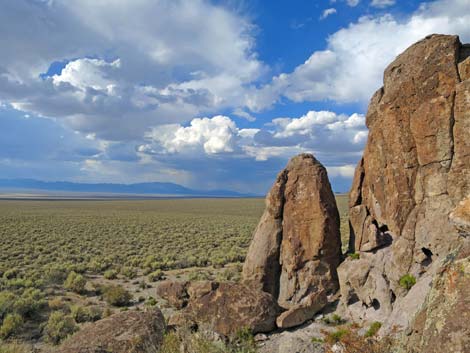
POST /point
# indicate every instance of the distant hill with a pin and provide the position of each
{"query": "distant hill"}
(152, 188)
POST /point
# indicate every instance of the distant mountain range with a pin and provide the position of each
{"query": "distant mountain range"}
(152, 188)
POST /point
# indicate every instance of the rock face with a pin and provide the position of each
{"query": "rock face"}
(174, 292)
(296, 247)
(442, 325)
(460, 217)
(414, 171)
(225, 308)
(126, 332)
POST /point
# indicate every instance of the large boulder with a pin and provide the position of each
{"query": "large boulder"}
(296, 247)
(414, 171)
(125, 332)
(226, 308)
(174, 292)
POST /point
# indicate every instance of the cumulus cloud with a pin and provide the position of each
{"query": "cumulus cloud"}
(321, 132)
(125, 97)
(350, 69)
(382, 3)
(214, 135)
(184, 59)
(88, 73)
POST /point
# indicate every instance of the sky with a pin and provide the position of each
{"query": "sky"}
(206, 94)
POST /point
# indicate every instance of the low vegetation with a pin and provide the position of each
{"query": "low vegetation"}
(56, 256)
(59, 327)
(333, 320)
(354, 256)
(11, 325)
(373, 329)
(349, 340)
(407, 281)
(116, 296)
(14, 347)
(197, 342)
(75, 282)
(86, 314)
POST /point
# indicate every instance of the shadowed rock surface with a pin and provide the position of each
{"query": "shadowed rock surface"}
(126, 332)
(414, 171)
(296, 247)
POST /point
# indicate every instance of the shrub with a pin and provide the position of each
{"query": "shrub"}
(335, 319)
(129, 272)
(143, 285)
(317, 340)
(373, 329)
(354, 256)
(86, 314)
(407, 281)
(200, 276)
(75, 282)
(243, 342)
(7, 300)
(14, 348)
(155, 276)
(171, 343)
(196, 342)
(151, 301)
(352, 342)
(335, 337)
(10, 274)
(228, 275)
(59, 326)
(110, 274)
(18, 283)
(57, 304)
(55, 275)
(107, 312)
(11, 325)
(117, 296)
(30, 303)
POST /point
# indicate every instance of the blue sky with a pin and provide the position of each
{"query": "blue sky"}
(208, 94)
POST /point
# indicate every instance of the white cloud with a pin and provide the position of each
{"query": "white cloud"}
(176, 60)
(321, 132)
(263, 153)
(328, 12)
(382, 3)
(243, 114)
(305, 124)
(353, 3)
(345, 171)
(350, 69)
(88, 73)
(214, 135)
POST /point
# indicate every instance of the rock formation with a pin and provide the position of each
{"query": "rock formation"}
(174, 292)
(125, 332)
(414, 171)
(442, 324)
(225, 308)
(409, 221)
(296, 247)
